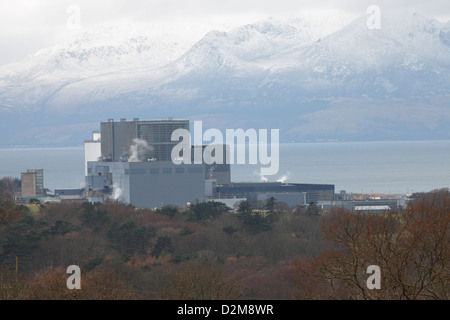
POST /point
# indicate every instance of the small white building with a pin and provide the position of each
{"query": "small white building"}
(92, 150)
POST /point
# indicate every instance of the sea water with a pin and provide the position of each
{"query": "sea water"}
(370, 167)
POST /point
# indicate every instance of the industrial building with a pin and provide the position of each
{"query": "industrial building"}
(33, 183)
(92, 149)
(121, 139)
(365, 206)
(32, 186)
(70, 195)
(151, 184)
(130, 161)
(220, 172)
(292, 194)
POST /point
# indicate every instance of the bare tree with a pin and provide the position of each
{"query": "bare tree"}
(199, 281)
(411, 250)
(50, 284)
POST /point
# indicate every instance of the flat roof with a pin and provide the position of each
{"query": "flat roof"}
(368, 208)
(274, 187)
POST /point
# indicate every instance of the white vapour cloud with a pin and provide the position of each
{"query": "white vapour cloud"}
(284, 178)
(117, 192)
(138, 150)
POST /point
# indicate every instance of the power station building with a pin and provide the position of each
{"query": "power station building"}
(150, 139)
(292, 194)
(151, 184)
(92, 149)
(131, 161)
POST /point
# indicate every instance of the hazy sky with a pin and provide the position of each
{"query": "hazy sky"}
(27, 26)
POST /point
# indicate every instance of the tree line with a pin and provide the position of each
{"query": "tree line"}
(208, 251)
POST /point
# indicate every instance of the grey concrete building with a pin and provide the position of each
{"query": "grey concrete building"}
(151, 184)
(221, 172)
(367, 206)
(148, 139)
(28, 184)
(33, 183)
(70, 195)
(292, 193)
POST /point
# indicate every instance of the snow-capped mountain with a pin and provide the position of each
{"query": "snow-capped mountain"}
(103, 50)
(292, 74)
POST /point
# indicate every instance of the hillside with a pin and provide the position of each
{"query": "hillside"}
(141, 246)
(205, 252)
(351, 83)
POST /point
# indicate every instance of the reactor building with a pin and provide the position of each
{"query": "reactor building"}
(130, 161)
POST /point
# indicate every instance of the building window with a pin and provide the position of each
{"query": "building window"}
(154, 171)
(179, 170)
(167, 170)
(195, 170)
(138, 171)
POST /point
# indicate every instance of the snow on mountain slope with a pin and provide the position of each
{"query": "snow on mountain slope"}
(94, 53)
(250, 44)
(96, 66)
(109, 61)
(405, 57)
(294, 65)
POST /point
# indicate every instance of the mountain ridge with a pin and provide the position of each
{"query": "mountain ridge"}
(293, 67)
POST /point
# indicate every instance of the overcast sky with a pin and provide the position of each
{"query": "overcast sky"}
(27, 26)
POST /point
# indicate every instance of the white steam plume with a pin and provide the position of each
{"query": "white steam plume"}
(117, 192)
(284, 178)
(138, 150)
